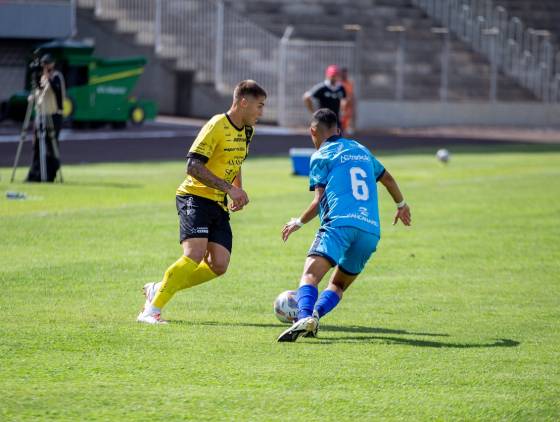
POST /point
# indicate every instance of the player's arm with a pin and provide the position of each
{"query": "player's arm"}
(238, 183)
(313, 209)
(403, 210)
(309, 95)
(197, 169)
(309, 214)
(308, 102)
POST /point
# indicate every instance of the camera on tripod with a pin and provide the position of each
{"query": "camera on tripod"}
(43, 107)
(37, 66)
(35, 70)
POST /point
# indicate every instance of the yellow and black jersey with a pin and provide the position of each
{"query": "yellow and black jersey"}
(222, 147)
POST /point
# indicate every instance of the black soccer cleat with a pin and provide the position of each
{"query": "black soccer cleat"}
(302, 327)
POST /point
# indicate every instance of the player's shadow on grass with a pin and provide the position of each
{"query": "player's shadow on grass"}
(504, 342)
(324, 328)
(375, 330)
(352, 329)
(369, 339)
(402, 341)
(104, 185)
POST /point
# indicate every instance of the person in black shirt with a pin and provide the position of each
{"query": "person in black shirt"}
(49, 98)
(327, 94)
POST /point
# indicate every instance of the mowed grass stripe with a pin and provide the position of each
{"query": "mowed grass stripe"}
(456, 318)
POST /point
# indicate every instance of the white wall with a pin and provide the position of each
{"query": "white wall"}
(377, 114)
(35, 20)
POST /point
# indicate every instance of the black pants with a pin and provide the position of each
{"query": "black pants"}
(52, 161)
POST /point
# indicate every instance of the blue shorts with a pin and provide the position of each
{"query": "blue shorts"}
(348, 247)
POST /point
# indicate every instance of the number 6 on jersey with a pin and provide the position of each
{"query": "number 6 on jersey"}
(360, 188)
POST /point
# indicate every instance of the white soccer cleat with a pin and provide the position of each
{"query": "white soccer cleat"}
(314, 333)
(301, 327)
(150, 318)
(149, 290)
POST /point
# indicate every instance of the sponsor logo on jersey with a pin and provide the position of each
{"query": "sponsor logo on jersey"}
(353, 157)
(337, 95)
(362, 218)
(236, 161)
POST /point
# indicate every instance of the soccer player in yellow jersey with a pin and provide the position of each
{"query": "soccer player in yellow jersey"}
(213, 173)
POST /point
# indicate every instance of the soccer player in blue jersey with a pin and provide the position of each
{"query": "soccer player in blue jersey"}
(343, 175)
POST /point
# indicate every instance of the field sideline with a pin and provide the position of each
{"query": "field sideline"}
(456, 318)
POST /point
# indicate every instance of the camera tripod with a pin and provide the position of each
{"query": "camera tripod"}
(44, 126)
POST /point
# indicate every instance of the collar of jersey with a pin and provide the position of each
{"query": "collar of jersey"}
(332, 87)
(333, 138)
(233, 124)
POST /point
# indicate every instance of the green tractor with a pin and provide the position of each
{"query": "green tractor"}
(97, 90)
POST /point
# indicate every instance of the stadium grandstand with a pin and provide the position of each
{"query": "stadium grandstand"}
(455, 54)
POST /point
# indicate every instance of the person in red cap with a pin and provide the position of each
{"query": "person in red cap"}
(332, 71)
(326, 94)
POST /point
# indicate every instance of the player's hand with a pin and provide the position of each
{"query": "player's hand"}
(403, 214)
(290, 227)
(234, 208)
(238, 197)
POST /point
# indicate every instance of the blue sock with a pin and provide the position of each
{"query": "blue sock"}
(327, 302)
(306, 298)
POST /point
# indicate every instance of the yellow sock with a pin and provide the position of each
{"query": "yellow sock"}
(202, 274)
(175, 277)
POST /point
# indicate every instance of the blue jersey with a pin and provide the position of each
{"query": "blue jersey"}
(348, 172)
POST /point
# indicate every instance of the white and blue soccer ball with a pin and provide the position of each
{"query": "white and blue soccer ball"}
(285, 306)
(443, 155)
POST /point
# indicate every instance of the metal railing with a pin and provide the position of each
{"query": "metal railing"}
(223, 48)
(301, 66)
(525, 54)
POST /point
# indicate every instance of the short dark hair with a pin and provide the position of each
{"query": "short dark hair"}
(47, 59)
(324, 117)
(248, 87)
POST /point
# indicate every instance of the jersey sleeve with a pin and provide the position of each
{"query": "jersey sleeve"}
(205, 143)
(318, 171)
(315, 91)
(378, 169)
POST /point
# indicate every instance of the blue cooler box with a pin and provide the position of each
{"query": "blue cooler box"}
(301, 158)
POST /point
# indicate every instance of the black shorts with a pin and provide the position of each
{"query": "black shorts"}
(202, 217)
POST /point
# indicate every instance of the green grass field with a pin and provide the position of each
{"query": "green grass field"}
(456, 318)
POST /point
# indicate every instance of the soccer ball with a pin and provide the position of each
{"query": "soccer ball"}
(285, 306)
(442, 155)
